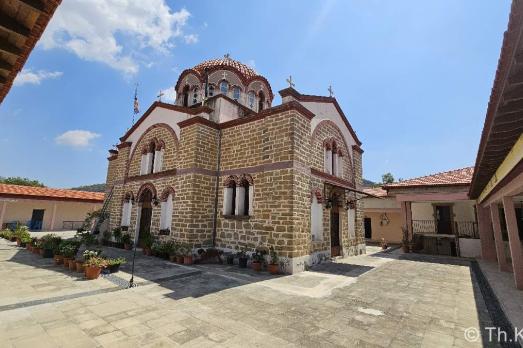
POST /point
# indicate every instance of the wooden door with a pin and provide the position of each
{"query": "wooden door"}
(145, 223)
(335, 234)
(368, 228)
(444, 219)
(37, 219)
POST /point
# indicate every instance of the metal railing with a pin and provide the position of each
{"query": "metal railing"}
(72, 225)
(464, 229)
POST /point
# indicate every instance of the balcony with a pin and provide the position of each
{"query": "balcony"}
(463, 229)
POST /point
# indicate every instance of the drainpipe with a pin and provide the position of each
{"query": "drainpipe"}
(217, 186)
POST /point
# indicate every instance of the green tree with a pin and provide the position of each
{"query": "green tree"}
(17, 180)
(387, 178)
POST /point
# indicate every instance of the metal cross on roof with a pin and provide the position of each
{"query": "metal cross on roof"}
(331, 91)
(289, 81)
(224, 75)
(227, 56)
(159, 96)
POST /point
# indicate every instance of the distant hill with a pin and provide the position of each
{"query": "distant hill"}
(368, 183)
(91, 188)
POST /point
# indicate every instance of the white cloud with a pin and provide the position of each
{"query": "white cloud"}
(191, 38)
(114, 32)
(169, 95)
(28, 76)
(76, 138)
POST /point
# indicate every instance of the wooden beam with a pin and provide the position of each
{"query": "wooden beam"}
(3, 79)
(516, 77)
(515, 92)
(511, 106)
(5, 65)
(33, 4)
(7, 47)
(12, 25)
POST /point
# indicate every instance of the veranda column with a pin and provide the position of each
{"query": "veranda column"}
(500, 246)
(2, 213)
(406, 213)
(486, 235)
(513, 240)
(53, 217)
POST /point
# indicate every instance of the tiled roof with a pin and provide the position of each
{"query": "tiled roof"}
(49, 193)
(461, 176)
(247, 71)
(375, 191)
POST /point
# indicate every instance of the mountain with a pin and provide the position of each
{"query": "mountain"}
(368, 183)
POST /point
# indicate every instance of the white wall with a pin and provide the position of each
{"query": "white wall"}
(376, 203)
(462, 210)
(470, 247)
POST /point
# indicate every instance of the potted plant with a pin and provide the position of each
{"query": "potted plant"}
(117, 233)
(258, 258)
(25, 241)
(187, 255)
(113, 265)
(127, 241)
(242, 258)
(48, 243)
(148, 241)
(230, 259)
(173, 253)
(93, 267)
(68, 249)
(106, 237)
(36, 247)
(273, 266)
(383, 243)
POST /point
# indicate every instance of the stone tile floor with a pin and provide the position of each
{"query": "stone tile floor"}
(377, 300)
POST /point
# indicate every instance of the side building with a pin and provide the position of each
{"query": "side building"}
(224, 168)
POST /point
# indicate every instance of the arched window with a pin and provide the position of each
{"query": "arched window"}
(126, 209)
(261, 101)
(166, 210)
(210, 91)
(224, 87)
(236, 92)
(251, 99)
(185, 96)
(158, 157)
(316, 215)
(229, 195)
(327, 153)
(152, 157)
(195, 95)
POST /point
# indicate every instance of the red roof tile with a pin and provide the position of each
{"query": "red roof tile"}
(50, 193)
(246, 70)
(461, 176)
(375, 191)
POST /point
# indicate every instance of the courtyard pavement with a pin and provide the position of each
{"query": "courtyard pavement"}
(377, 300)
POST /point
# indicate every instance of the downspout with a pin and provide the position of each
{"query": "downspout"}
(217, 186)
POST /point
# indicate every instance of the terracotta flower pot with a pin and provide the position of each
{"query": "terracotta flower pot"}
(172, 258)
(66, 262)
(256, 265)
(72, 265)
(79, 266)
(18, 241)
(41, 251)
(187, 260)
(273, 268)
(92, 272)
(58, 259)
(36, 250)
(179, 259)
(147, 251)
(29, 247)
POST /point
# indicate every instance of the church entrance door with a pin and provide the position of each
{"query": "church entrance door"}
(146, 213)
(335, 232)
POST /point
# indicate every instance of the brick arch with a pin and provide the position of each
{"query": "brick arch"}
(319, 195)
(245, 180)
(231, 179)
(145, 147)
(128, 196)
(147, 186)
(331, 123)
(166, 192)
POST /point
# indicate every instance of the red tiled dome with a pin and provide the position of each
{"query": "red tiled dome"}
(215, 64)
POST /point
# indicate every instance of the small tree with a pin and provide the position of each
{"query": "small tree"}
(17, 180)
(387, 178)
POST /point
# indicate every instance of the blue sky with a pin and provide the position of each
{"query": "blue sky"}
(413, 77)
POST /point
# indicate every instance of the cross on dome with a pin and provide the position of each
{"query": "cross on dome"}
(289, 81)
(227, 56)
(331, 91)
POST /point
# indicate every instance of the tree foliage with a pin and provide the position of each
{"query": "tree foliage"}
(91, 188)
(387, 178)
(17, 180)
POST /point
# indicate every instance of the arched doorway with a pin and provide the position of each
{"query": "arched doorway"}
(145, 200)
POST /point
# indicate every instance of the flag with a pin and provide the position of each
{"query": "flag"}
(136, 106)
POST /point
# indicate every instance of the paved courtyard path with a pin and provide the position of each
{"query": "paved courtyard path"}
(378, 300)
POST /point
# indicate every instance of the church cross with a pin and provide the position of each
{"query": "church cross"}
(227, 56)
(331, 91)
(159, 96)
(224, 75)
(289, 81)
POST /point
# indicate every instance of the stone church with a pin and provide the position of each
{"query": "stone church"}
(224, 167)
